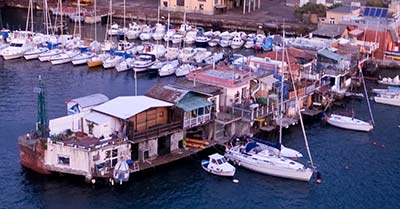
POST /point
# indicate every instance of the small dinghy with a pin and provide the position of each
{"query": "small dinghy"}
(218, 165)
(121, 171)
(348, 123)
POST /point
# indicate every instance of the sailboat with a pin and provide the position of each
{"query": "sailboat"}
(352, 123)
(259, 159)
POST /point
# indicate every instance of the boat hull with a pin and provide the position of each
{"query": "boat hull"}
(31, 154)
(94, 63)
(218, 173)
(268, 169)
(388, 101)
(351, 126)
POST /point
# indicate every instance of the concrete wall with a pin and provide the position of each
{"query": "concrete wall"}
(78, 158)
(150, 146)
(228, 95)
(190, 6)
(59, 125)
(105, 129)
(82, 161)
(175, 138)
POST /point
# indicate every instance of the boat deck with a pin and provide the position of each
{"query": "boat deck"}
(171, 157)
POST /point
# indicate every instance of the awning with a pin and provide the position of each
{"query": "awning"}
(97, 118)
(356, 32)
(191, 102)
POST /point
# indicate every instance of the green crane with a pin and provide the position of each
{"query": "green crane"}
(42, 128)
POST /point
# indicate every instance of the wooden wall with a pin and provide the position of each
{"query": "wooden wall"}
(149, 118)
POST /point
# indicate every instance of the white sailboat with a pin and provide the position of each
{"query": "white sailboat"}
(35, 52)
(64, 57)
(346, 122)
(146, 34)
(186, 54)
(190, 37)
(134, 31)
(143, 62)
(202, 55)
(125, 65)
(266, 161)
(172, 53)
(388, 98)
(83, 58)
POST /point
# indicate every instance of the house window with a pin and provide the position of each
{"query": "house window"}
(201, 6)
(111, 157)
(332, 21)
(180, 3)
(114, 152)
(200, 111)
(165, 3)
(63, 160)
(202, 0)
(90, 127)
(207, 110)
(161, 114)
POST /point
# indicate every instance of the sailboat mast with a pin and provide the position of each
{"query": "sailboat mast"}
(158, 12)
(298, 109)
(95, 20)
(28, 16)
(282, 84)
(79, 18)
(62, 17)
(124, 20)
(31, 5)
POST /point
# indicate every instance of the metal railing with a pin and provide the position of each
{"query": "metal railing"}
(192, 122)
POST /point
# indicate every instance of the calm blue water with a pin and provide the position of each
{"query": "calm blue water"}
(356, 173)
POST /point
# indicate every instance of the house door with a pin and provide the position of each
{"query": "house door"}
(135, 152)
(164, 145)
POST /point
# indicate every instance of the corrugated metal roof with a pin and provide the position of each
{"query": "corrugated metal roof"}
(191, 102)
(128, 106)
(97, 117)
(90, 100)
(166, 93)
(328, 54)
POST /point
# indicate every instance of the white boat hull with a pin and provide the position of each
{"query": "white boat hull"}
(388, 101)
(269, 169)
(12, 56)
(349, 123)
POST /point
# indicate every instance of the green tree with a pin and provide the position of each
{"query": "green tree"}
(377, 3)
(311, 8)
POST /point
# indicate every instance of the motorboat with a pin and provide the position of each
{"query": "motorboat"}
(190, 37)
(107, 45)
(177, 38)
(146, 33)
(121, 171)
(134, 31)
(238, 59)
(172, 53)
(46, 56)
(389, 81)
(125, 65)
(186, 54)
(169, 68)
(237, 42)
(346, 122)
(17, 48)
(143, 62)
(226, 39)
(158, 50)
(184, 69)
(124, 46)
(115, 30)
(250, 41)
(168, 35)
(265, 161)
(218, 165)
(159, 32)
(184, 28)
(215, 58)
(202, 41)
(35, 52)
(214, 38)
(97, 60)
(64, 57)
(201, 56)
(83, 58)
(388, 98)
(259, 41)
(112, 61)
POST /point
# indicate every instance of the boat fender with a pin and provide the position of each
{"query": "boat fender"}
(319, 178)
(235, 181)
(93, 181)
(374, 143)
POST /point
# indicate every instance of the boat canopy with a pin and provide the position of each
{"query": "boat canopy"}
(250, 146)
(276, 145)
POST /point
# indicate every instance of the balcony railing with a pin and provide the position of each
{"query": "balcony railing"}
(192, 122)
(156, 131)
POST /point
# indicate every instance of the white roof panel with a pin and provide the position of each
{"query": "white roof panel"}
(90, 100)
(128, 106)
(97, 118)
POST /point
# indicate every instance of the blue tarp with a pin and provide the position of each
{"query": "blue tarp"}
(51, 45)
(250, 146)
(267, 44)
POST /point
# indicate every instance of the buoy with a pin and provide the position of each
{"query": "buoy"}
(374, 143)
(346, 167)
(235, 181)
(383, 146)
(112, 182)
(93, 181)
(319, 178)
